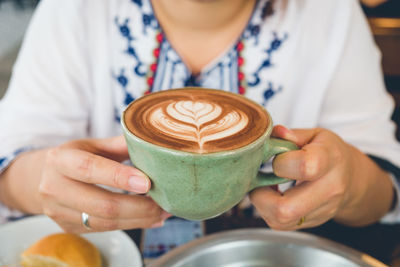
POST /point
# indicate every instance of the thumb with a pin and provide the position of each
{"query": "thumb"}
(300, 137)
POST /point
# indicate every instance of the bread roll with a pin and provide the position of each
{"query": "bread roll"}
(61, 250)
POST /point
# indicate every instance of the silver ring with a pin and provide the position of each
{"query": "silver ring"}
(85, 220)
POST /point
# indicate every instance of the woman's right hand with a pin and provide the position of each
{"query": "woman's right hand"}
(70, 180)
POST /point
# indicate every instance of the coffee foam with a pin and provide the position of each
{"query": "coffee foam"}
(196, 120)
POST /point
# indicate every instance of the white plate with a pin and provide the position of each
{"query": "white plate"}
(116, 247)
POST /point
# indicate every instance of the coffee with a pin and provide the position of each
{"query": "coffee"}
(196, 120)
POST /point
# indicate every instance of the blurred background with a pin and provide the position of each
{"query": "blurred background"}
(14, 18)
(384, 19)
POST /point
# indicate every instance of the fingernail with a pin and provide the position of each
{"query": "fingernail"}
(139, 184)
(157, 224)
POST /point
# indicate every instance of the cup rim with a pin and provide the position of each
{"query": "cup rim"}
(265, 135)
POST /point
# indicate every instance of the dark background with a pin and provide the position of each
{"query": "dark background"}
(385, 25)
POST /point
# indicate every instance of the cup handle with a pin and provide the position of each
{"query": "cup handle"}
(275, 146)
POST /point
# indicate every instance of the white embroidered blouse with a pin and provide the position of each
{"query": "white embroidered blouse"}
(311, 63)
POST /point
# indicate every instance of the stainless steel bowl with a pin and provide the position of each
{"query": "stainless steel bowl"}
(264, 248)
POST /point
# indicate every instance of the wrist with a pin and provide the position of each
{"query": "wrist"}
(19, 182)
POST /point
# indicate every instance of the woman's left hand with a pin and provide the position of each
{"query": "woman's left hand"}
(333, 180)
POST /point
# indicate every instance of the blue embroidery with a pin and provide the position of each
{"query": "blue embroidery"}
(2, 160)
(130, 50)
(267, 9)
(124, 29)
(123, 81)
(276, 43)
(270, 92)
(138, 2)
(128, 97)
(121, 78)
(148, 19)
(117, 115)
(252, 31)
(274, 46)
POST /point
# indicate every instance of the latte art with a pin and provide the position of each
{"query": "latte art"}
(196, 120)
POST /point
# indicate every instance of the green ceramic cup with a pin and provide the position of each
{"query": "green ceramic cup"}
(201, 186)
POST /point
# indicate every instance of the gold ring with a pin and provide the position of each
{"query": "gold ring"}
(301, 221)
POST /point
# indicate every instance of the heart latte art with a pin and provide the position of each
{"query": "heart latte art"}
(196, 120)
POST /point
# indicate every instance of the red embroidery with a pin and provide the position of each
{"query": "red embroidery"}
(156, 52)
(150, 81)
(242, 90)
(240, 46)
(240, 61)
(240, 75)
(153, 67)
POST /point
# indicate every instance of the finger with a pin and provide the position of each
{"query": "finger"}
(317, 217)
(113, 148)
(308, 164)
(302, 164)
(70, 220)
(281, 131)
(100, 202)
(268, 204)
(266, 200)
(285, 210)
(299, 136)
(90, 168)
(308, 197)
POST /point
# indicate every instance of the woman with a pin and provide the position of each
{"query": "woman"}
(313, 65)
